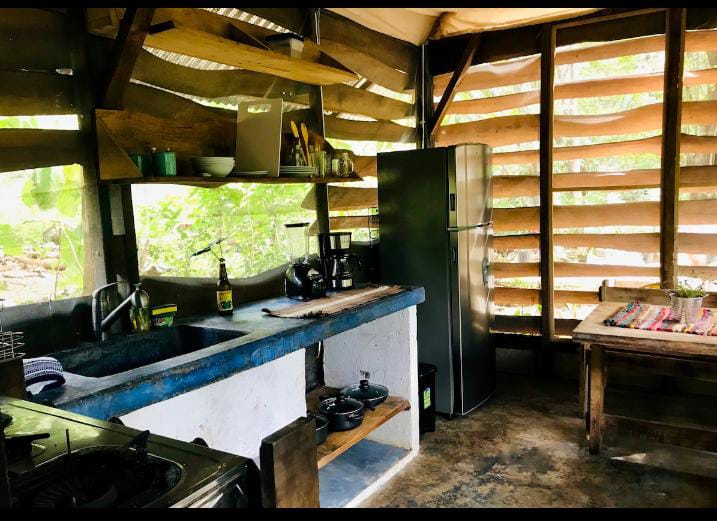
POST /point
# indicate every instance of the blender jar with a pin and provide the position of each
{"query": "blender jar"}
(298, 238)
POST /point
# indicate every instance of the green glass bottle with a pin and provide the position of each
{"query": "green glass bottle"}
(225, 305)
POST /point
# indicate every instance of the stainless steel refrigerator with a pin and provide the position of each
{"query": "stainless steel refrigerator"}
(435, 227)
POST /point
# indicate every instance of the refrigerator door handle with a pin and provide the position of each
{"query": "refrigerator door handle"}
(462, 228)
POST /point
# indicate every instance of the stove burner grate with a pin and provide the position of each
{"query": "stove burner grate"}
(76, 492)
(98, 477)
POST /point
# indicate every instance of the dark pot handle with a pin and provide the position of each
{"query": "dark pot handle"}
(368, 405)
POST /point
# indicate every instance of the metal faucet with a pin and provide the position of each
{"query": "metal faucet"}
(102, 317)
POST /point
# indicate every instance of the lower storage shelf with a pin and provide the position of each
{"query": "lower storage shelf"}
(339, 442)
(349, 476)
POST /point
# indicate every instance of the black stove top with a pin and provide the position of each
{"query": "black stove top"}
(98, 477)
(58, 459)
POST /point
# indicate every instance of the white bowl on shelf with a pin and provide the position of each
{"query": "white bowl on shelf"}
(216, 166)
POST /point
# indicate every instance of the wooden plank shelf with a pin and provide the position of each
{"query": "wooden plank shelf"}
(339, 442)
(173, 36)
(213, 182)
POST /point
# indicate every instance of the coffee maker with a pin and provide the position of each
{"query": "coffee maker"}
(301, 280)
(336, 259)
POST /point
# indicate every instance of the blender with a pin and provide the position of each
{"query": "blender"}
(301, 280)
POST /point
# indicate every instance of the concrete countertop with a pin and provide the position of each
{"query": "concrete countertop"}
(268, 338)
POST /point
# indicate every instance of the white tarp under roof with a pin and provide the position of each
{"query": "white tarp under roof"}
(416, 24)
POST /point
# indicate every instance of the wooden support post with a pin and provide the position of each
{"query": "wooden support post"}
(671, 120)
(133, 29)
(547, 79)
(316, 108)
(597, 398)
(96, 221)
(583, 378)
(423, 99)
(463, 64)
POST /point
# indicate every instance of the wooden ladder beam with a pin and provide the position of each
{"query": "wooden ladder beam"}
(447, 98)
(133, 29)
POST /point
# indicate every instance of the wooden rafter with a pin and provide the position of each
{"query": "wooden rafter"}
(133, 30)
(450, 91)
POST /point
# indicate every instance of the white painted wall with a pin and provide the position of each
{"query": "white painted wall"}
(386, 348)
(234, 414)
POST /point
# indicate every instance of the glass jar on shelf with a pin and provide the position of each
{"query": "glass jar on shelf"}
(341, 164)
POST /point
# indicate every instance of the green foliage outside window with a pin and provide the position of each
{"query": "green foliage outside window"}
(173, 222)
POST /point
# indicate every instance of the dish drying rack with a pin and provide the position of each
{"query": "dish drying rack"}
(10, 341)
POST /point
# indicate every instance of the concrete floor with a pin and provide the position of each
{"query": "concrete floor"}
(525, 448)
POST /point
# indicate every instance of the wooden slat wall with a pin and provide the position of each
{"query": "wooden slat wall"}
(486, 76)
(34, 40)
(35, 43)
(518, 228)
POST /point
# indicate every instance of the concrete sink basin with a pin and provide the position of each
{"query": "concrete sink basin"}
(126, 352)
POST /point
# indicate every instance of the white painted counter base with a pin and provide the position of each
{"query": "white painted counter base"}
(236, 413)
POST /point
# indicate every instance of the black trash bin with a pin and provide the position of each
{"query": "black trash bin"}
(427, 397)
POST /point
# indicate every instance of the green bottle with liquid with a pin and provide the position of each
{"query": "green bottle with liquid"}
(225, 305)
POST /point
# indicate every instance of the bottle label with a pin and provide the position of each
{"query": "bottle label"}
(224, 301)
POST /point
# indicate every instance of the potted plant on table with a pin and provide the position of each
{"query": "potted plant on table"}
(686, 303)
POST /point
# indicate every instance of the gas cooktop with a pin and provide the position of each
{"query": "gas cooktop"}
(58, 459)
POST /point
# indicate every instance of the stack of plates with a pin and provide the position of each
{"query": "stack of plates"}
(297, 171)
(215, 166)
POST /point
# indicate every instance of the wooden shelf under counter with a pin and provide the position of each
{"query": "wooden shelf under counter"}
(339, 442)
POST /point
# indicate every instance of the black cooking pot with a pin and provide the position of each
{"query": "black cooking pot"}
(343, 413)
(322, 427)
(367, 393)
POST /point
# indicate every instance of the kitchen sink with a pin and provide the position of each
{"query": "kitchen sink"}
(124, 352)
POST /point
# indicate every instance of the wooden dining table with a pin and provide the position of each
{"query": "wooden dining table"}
(598, 339)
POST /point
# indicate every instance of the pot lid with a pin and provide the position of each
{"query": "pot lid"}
(340, 404)
(365, 391)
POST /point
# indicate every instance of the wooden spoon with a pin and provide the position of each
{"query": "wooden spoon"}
(305, 134)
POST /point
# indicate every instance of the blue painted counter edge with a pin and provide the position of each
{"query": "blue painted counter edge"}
(270, 338)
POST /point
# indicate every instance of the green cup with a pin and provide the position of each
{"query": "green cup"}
(164, 163)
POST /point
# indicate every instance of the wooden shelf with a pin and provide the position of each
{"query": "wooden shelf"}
(339, 442)
(213, 182)
(173, 36)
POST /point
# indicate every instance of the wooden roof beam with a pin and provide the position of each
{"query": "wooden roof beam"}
(133, 30)
(450, 91)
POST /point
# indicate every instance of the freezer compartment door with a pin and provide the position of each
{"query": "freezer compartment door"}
(471, 312)
(471, 194)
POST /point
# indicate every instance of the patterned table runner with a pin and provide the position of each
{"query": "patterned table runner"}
(637, 315)
(335, 303)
